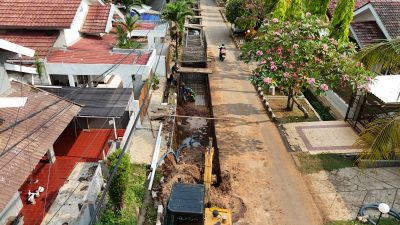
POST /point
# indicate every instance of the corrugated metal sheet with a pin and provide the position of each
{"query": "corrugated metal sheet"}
(23, 144)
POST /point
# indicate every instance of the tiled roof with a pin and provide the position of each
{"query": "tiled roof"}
(96, 20)
(37, 14)
(145, 26)
(357, 4)
(40, 41)
(39, 123)
(95, 50)
(368, 32)
(389, 13)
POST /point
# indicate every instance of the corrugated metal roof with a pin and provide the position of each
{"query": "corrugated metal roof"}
(40, 122)
(97, 102)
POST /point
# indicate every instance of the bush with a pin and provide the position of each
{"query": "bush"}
(156, 82)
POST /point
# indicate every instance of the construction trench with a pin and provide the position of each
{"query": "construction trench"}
(192, 131)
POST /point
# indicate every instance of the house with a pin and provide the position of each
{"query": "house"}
(74, 43)
(376, 21)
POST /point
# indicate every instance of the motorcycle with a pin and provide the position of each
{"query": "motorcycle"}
(222, 54)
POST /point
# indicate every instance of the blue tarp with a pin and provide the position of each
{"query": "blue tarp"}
(146, 16)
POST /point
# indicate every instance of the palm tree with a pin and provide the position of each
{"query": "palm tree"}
(131, 3)
(124, 32)
(380, 140)
(384, 56)
(176, 13)
(129, 24)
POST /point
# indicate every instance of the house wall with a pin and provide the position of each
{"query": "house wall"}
(364, 16)
(12, 209)
(4, 81)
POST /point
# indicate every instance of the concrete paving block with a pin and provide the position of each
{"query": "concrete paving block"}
(378, 196)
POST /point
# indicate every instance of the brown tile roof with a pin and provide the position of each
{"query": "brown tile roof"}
(31, 137)
(368, 32)
(95, 50)
(389, 13)
(37, 14)
(40, 41)
(145, 26)
(357, 4)
(96, 20)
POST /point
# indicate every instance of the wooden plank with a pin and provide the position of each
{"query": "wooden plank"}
(195, 70)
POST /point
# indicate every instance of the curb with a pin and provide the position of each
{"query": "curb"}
(269, 111)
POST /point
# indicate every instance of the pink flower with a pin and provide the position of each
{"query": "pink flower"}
(293, 62)
(269, 58)
(275, 20)
(279, 51)
(277, 33)
(311, 81)
(365, 88)
(369, 79)
(268, 51)
(345, 77)
(333, 41)
(273, 67)
(291, 66)
(259, 53)
(294, 75)
(295, 46)
(285, 74)
(284, 64)
(318, 60)
(325, 47)
(267, 80)
(257, 75)
(263, 62)
(324, 87)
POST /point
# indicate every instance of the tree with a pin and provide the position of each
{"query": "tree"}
(246, 14)
(176, 12)
(129, 4)
(129, 24)
(383, 56)
(280, 9)
(317, 7)
(295, 10)
(295, 55)
(121, 178)
(380, 140)
(124, 32)
(341, 20)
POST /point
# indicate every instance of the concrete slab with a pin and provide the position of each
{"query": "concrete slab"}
(341, 193)
(321, 137)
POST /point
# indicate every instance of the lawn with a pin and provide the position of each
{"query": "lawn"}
(315, 163)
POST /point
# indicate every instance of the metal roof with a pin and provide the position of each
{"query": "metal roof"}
(96, 102)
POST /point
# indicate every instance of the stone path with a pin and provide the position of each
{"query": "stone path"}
(321, 137)
(341, 193)
(263, 173)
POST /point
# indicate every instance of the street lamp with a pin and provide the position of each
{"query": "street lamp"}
(383, 209)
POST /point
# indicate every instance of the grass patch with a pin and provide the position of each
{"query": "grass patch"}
(151, 210)
(315, 163)
(133, 200)
(322, 110)
(383, 221)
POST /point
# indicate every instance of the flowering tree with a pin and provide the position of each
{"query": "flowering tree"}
(293, 56)
(246, 14)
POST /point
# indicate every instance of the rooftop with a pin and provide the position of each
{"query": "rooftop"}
(27, 133)
(387, 88)
(96, 50)
(389, 11)
(96, 19)
(38, 14)
(96, 102)
(40, 41)
(368, 32)
(357, 4)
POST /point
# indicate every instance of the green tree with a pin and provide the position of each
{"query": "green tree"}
(124, 32)
(295, 55)
(129, 4)
(381, 57)
(121, 178)
(380, 140)
(280, 9)
(317, 7)
(341, 20)
(176, 12)
(295, 10)
(246, 14)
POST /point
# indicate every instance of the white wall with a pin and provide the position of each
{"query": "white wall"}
(364, 16)
(72, 35)
(4, 82)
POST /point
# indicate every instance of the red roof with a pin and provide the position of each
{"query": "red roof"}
(96, 50)
(40, 41)
(145, 26)
(27, 133)
(389, 13)
(38, 14)
(368, 32)
(357, 4)
(96, 20)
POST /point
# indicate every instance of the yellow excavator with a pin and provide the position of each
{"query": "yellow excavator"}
(189, 204)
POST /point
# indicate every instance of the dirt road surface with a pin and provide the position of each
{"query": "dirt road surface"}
(263, 173)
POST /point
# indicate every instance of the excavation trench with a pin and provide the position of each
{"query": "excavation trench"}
(192, 134)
